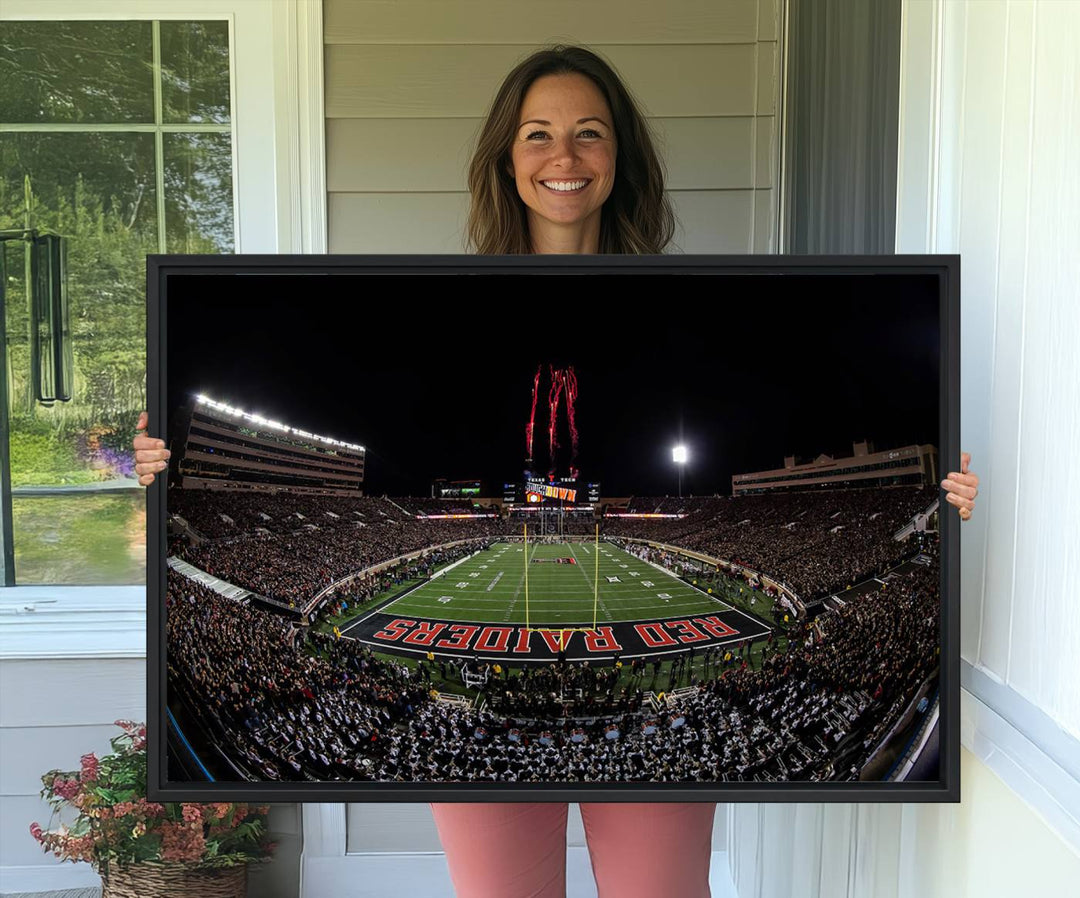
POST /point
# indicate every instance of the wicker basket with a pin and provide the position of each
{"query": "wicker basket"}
(170, 880)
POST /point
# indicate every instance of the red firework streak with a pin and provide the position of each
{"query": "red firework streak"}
(532, 416)
(558, 380)
(571, 398)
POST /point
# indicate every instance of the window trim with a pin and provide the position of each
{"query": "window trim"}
(278, 138)
(1031, 754)
(276, 66)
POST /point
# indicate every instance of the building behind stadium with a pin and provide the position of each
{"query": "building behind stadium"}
(216, 446)
(908, 465)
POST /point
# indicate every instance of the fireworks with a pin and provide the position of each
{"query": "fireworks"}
(532, 417)
(563, 381)
(558, 381)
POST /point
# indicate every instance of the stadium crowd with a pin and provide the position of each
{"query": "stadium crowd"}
(327, 708)
(294, 566)
(342, 713)
(428, 506)
(816, 543)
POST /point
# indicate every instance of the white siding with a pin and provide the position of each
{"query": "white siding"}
(989, 143)
(1008, 201)
(990, 846)
(408, 83)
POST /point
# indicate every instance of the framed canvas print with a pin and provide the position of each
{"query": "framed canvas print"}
(553, 528)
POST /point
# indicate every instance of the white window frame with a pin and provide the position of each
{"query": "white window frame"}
(279, 190)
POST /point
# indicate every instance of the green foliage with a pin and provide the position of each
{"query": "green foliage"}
(87, 538)
(106, 270)
(41, 458)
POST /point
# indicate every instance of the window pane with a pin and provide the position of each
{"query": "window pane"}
(81, 539)
(195, 72)
(198, 193)
(76, 72)
(98, 191)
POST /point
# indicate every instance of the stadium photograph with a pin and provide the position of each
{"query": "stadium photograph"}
(538, 538)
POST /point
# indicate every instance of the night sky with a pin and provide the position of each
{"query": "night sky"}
(436, 381)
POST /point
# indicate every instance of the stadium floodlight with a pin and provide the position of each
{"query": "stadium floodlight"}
(276, 425)
(679, 456)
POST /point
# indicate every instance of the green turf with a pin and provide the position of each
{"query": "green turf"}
(558, 594)
(326, 623)
(740, 595)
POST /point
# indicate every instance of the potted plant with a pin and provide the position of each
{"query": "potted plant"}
(141, 847)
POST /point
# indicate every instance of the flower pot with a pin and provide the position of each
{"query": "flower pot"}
(172, 880)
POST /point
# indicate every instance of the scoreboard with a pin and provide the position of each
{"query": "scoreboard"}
(455, 489)
(551, 492)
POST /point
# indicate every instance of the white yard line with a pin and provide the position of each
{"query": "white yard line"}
(521, 583)
(668, 611)
(600, 601)
(420, 586)
(445, 570)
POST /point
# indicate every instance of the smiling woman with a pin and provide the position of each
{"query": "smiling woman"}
(565, 163)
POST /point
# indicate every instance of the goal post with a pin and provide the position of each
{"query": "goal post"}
(562, 631)
(596, 577)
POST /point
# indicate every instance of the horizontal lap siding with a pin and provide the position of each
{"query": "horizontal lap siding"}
(476, 22)
(460, 81)
(408, 84)
(424, 155)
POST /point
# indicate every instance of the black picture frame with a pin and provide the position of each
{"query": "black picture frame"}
(945, 268)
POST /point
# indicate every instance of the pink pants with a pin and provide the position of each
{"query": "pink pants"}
(498, 850)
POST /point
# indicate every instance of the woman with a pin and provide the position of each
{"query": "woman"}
(565, 164)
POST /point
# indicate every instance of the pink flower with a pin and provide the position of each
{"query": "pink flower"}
(89, 767)
(150, 808)
(181, 842)
(66, 789)
(35, 831)
(192, 813)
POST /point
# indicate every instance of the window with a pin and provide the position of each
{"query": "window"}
(117, 135)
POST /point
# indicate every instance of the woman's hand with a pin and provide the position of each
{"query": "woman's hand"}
(962, 487)
(151, 456)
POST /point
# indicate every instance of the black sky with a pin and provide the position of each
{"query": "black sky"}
(433, 375)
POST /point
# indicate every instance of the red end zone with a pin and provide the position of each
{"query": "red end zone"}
(515, 641)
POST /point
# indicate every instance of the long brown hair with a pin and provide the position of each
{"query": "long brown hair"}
(637, 216)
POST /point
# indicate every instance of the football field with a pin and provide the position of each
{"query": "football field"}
(561, 584)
